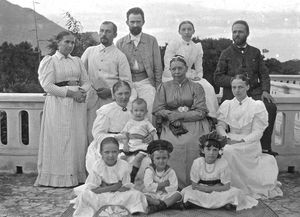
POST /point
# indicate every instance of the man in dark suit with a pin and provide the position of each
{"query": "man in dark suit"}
(241, 58)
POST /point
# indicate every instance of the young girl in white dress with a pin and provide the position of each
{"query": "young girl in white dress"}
(108, 184)
(210, 176)
(160, 180)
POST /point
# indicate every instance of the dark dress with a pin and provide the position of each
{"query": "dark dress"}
(169, 97)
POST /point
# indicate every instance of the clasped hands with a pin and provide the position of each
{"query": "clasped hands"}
(175, 117)
(162, 185)
(79, 95)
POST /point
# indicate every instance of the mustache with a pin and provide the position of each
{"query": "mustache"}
(104, 38)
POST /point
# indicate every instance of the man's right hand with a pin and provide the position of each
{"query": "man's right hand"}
(104, 93)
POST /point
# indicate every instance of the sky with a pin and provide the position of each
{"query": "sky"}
(163, 16)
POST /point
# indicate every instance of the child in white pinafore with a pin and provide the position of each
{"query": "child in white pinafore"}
(108, 184)
(160, 180)
(210, 176)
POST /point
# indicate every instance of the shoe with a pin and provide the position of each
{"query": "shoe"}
(178, 206)
(189, 205)
(230, 207)
(270, 152)
(155, 208)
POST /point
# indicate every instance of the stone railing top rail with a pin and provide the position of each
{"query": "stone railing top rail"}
(285, 76)
(22, 97)
(285, 85)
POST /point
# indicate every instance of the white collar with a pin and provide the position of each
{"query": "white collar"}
(135, 38)
(61, 56)
(102, 47)
(240, 103)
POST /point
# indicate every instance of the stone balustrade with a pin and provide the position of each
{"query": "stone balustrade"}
(290, 79)
(15, 155)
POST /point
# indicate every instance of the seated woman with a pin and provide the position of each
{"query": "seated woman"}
(111, 119)
(252, 171)
(180, 103)
(192, 54)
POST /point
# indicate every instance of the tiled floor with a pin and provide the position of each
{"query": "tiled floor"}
(18, 197)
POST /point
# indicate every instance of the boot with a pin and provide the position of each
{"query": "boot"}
(155, 208)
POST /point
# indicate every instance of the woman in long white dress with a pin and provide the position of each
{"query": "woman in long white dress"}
(252, 171)
(193, 54)
(63, 142)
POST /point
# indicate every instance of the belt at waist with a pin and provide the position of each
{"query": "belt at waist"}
(210, 182)
(138, 76)
(67, 83)
(110, 132)
(130, 153)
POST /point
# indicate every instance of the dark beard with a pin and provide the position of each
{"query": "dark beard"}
(240, 41)
(135, 30)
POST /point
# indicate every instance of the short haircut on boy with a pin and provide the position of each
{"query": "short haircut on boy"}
(139, 101)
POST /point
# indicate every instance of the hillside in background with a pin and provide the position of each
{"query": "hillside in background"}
(17, 25)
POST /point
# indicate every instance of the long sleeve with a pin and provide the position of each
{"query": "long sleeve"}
(173, 182)
(159, 104)
(150, 185)
(84, 58)
(93, 180)
(221, 128)
(157, 69)
(47, 80)
(84, 80)
(198, 62)
(124, 69)
(259, 124)
(222, 79)
(264, 75)
(101, 125)
(169, 53)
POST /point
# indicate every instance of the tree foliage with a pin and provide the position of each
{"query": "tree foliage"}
(83, 40)
(18, 68)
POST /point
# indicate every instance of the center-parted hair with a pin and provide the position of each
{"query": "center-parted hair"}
(243, 77)
(186, 22)
(179, 58)
(118, 84)
(108, 140)
(212, 139)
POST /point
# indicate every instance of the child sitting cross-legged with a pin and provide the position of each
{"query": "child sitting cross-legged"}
(210, 176)
(160, 180)
(108, 184)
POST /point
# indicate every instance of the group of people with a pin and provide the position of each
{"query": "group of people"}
(118, 99)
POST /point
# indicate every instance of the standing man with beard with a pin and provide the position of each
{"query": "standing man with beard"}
(105, 65)
(241, 58)
(143, 55)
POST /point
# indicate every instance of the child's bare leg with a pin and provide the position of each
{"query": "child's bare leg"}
(138, 160)
(136, 165)
(173, 199)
